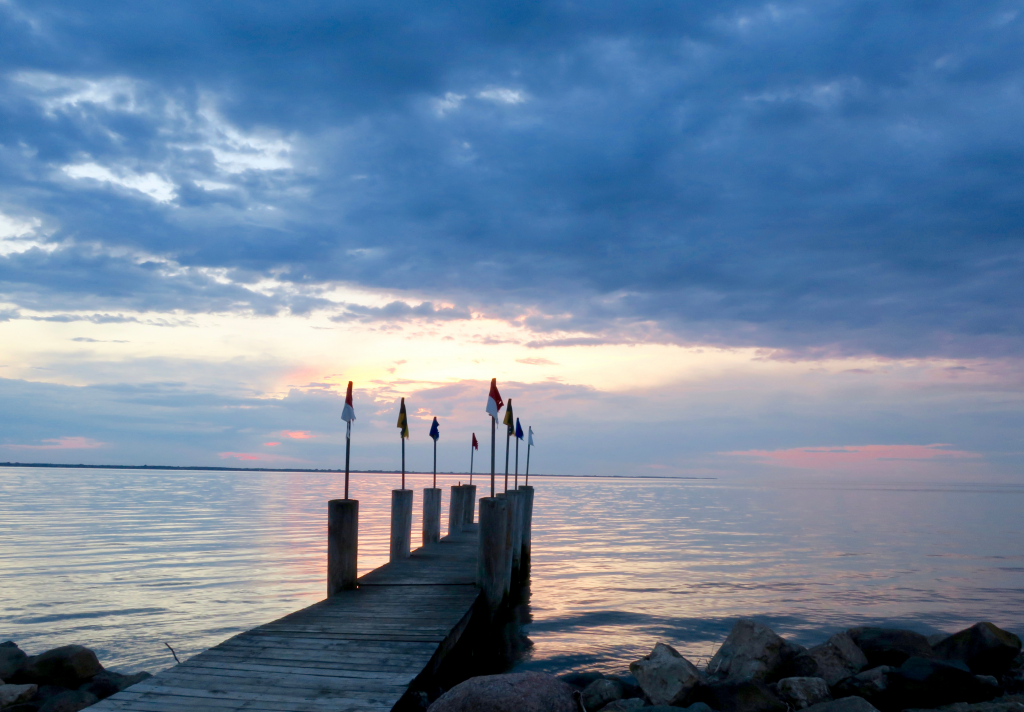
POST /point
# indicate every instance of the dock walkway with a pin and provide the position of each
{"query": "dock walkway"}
(358, 650)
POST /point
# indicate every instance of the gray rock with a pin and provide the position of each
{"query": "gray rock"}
(838, 658)
(13, 694)
(936, 638)
(600, 692)
(890, 646)
(986, 648)
(665, 676)
(1013, 680)
(847, 704)
(11, 658)
(993, 706)
(70, 701)
(633, 703)
(108, 683)
(871, 685)
(801, 692)
(737, 696)
(926, 682)
(580, 680)
(752, 652)
(698, 707)
(516, 692)
(69, 665)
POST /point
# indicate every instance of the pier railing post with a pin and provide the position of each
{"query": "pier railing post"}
(470, 503)
(431, 515)
(527, 502)
(491, 559)
(342, 544)
(401, 523)
(456, 509)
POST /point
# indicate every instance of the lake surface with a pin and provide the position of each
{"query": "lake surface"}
(126, 560)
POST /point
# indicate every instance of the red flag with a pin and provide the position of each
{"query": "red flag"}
(494, 401)
(476, 445)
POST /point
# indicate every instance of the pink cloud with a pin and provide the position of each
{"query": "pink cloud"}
(825, 457)
(297, 434)
(239, 455)
(271, 444)
(64, 443)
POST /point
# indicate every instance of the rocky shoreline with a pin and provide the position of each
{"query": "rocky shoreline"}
(65, 679)
(980, 669)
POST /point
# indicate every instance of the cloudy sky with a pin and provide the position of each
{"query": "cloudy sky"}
(687, 238)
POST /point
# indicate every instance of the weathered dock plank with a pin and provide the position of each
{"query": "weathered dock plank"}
(358, 650)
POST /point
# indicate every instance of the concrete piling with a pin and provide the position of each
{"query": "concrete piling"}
(431, 515)
(470, 503)
(401, 523)
(456, 509)
(342, 544)
(527, 502)
(491, 566)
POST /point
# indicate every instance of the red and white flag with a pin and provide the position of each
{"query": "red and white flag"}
(494, 401)
(348, 414)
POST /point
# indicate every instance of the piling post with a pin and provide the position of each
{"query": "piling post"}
(517, 532)
(342, 544)
(514, 526)
(431, 515)
(470, 503)
(401, 523)
(456, 509)
(491, 558)
(527, 502)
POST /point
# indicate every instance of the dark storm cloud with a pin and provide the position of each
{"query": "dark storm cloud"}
(844, 177)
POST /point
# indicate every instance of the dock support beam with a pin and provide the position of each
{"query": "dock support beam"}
(342, 544)
(511, 557)
(491, 560)
(401, 523)
(527, 502)
(431, 515)
(470, 503)
(456, 509)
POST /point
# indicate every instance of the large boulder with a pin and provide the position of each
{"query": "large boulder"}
(11, 658)
(580, 680)
(108, 683)
(752, 652)
(70, 701)
(801, 692)
(837, 658)
(13, 694)
(890, 646)
(600, 692)
(871, 685)
(69, 666)
(846, 704)
(737, 696)
(515, 692)
(665, 676)
(1013, 680)
(999, 705)
(986, 648)
(633, 703)
(928, 682)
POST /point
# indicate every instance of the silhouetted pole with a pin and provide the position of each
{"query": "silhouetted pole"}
(516, 485)
(494, 427)
(507, 436)
(348, 451)
(403, 461)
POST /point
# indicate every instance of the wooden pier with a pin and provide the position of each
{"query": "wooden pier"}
(357, 650)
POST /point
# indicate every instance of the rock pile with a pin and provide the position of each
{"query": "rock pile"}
(65, 679)
(980, 669)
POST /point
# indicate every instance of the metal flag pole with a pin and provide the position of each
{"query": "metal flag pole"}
(471, 462)
(348, 450)
(494, 427)
(507, 437)
(516, 486)
(435, 464)
(529, 442)
(403, 460)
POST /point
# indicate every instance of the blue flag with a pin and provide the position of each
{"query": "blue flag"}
(519, 430)
(434, 432)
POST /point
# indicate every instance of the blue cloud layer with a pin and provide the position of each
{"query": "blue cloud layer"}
(842, 176)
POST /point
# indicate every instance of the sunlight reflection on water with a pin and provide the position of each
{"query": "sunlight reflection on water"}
(123, 560)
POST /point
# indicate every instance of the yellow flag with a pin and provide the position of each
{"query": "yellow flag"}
(510, 420)
(403, 421)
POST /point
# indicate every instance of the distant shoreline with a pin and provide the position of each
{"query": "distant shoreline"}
(296, 469)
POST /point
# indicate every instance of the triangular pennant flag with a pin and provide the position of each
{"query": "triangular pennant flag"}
(403, 420)
(509, 418)
(494, 401)
(348, 413)
(476, 445)
(434, 432)
(530, 441)
(519, 430)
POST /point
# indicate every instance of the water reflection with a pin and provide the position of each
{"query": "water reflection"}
(125, 560)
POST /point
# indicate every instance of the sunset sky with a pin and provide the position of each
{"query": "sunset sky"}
(699, 239)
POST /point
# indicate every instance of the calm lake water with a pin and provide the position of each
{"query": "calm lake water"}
(126, 560)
